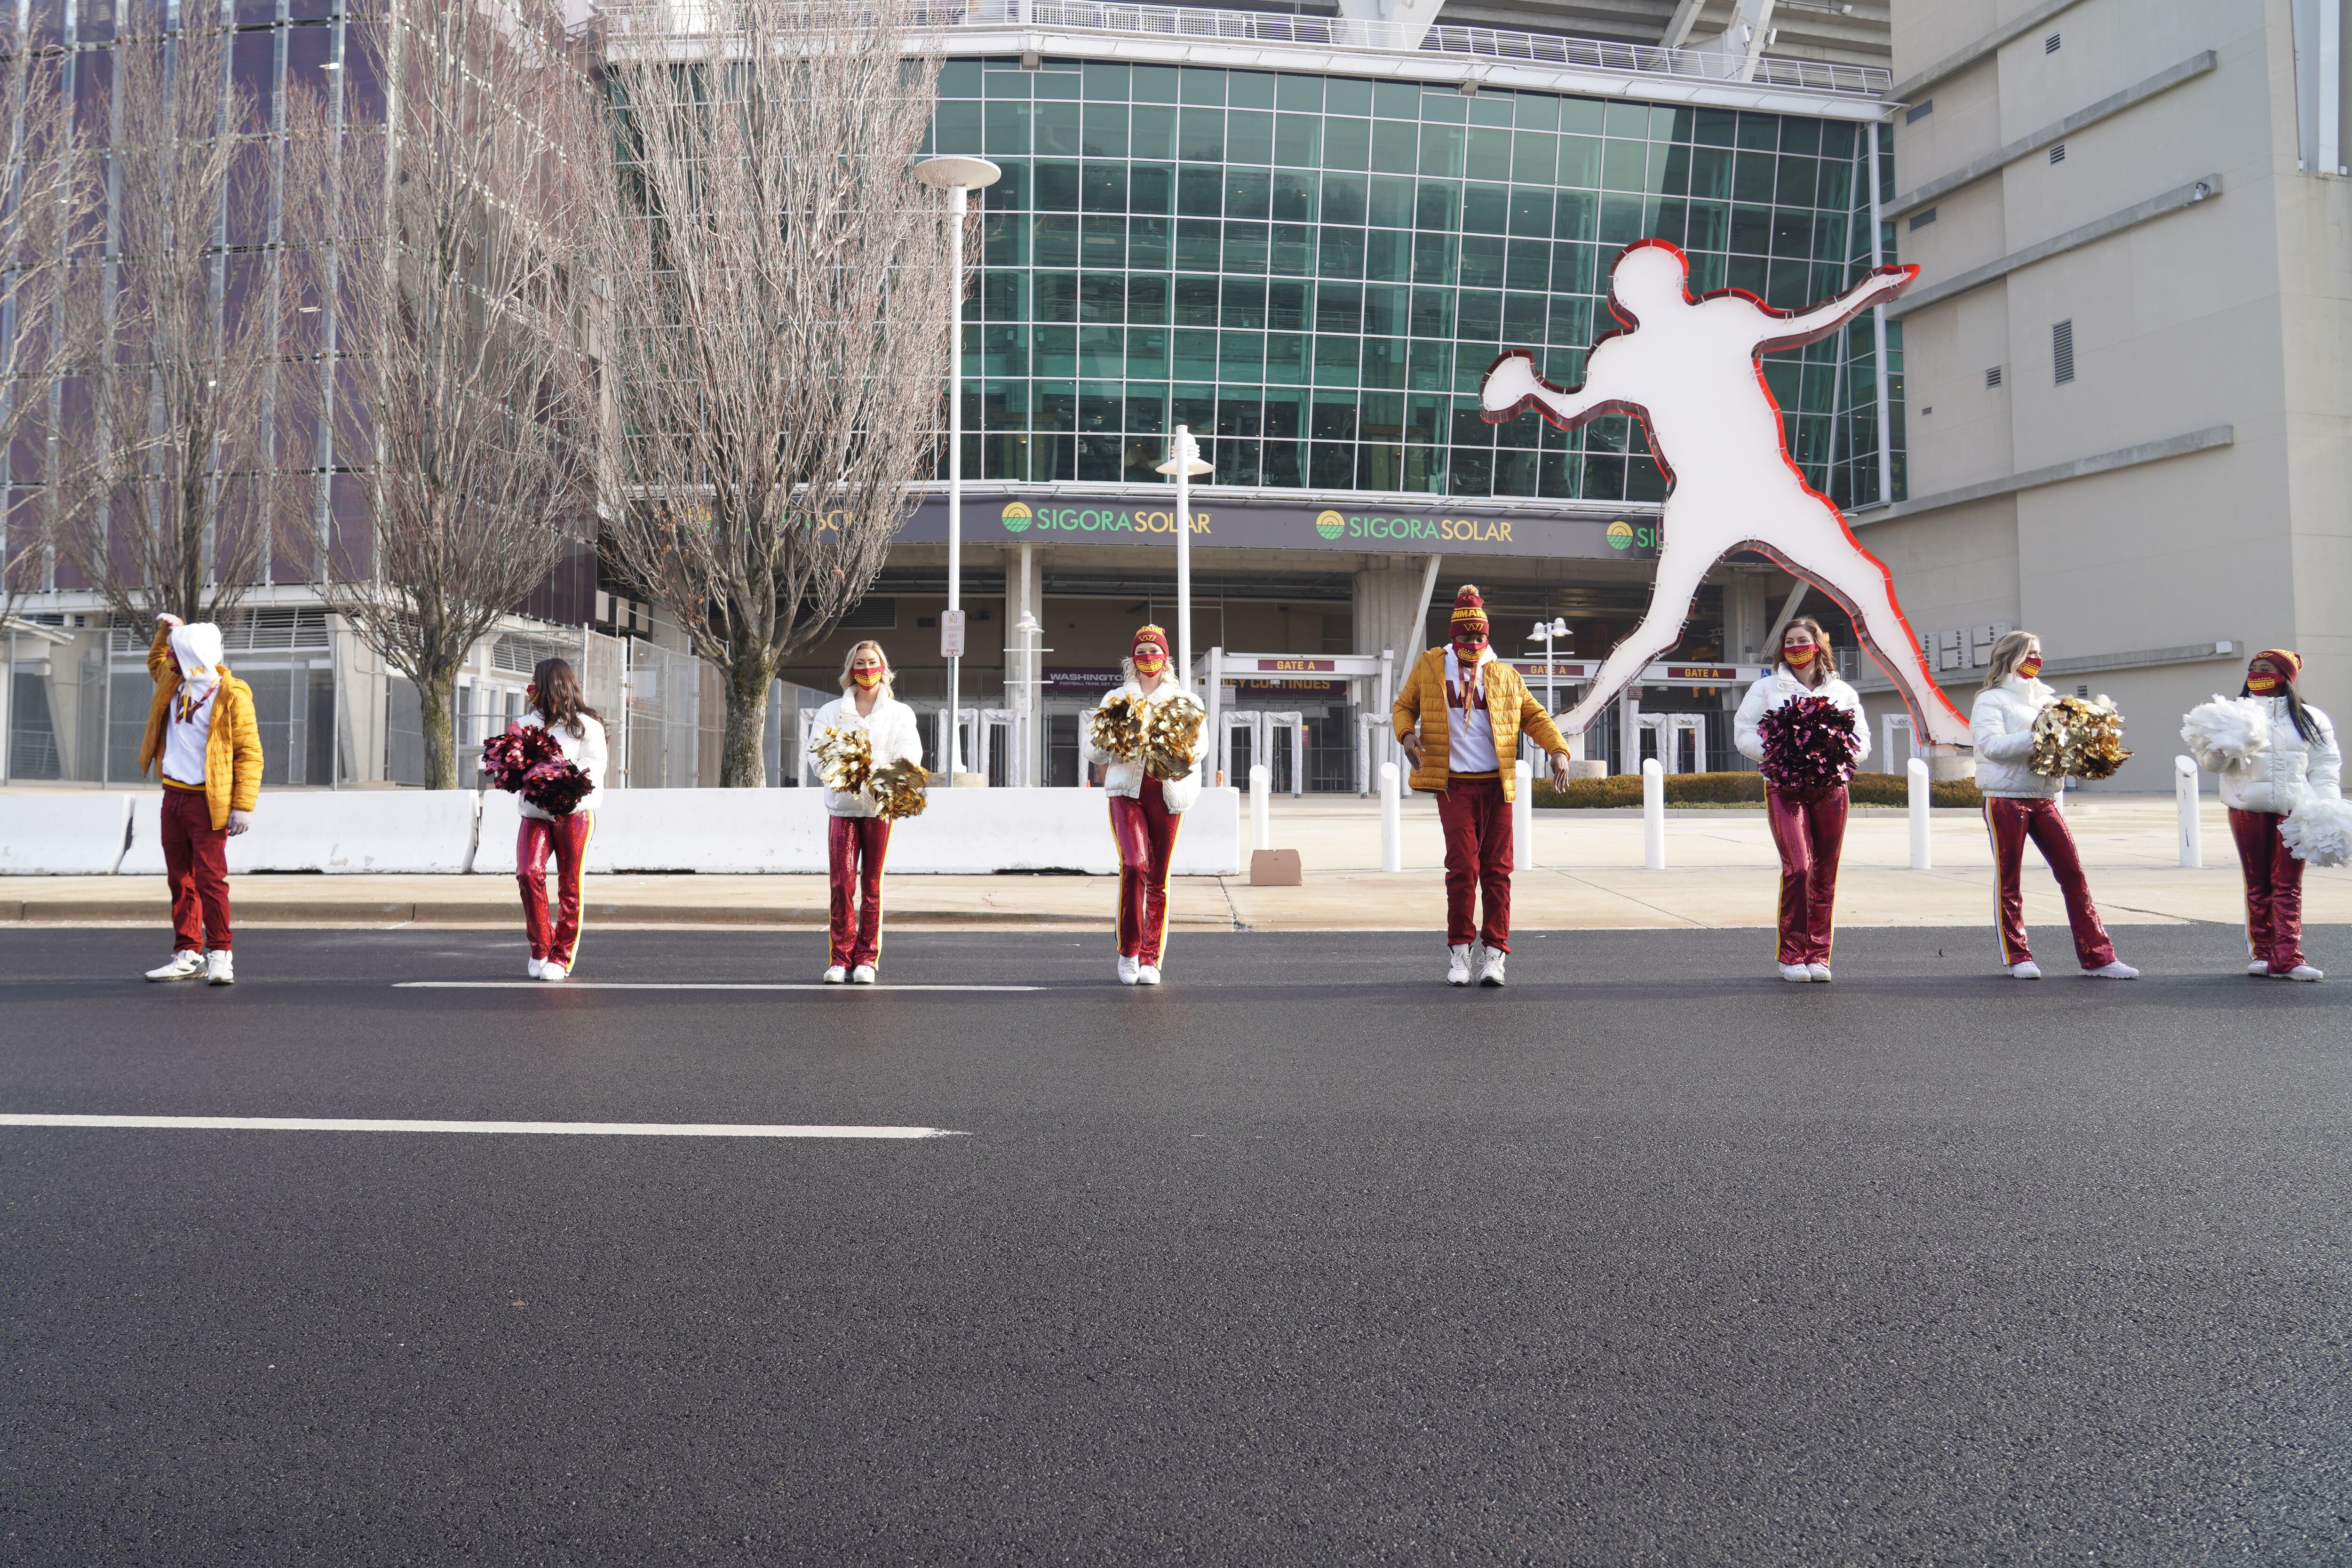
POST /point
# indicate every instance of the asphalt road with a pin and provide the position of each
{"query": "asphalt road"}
(1302, 1258)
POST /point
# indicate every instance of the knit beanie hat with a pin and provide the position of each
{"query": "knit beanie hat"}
(1153, 636)
(2287, 662)
(1469, 611)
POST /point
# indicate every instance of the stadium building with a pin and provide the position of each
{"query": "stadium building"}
(1304, 235)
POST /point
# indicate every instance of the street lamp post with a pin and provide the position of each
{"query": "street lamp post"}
(958, 177)
(1555, 627)
(1184, 463)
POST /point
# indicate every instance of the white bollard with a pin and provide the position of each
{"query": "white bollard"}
(1392, 821)
(1261, 806)
(1653, 816)
(1922, 857)
(1523, 818)
(2193, 829)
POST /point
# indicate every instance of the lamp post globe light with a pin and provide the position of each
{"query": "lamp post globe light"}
(1183, 465)
(959, 176)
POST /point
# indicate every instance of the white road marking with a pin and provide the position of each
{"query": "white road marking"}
(671, 985)
(604, 1128)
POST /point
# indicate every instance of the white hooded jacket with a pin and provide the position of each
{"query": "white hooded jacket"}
(586, 749)
(892, 733)
(1126, 778)
(1780, 687)
(2002, 724)
(2291, 770)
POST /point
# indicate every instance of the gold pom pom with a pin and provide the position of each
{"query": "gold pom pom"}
(2079, 738)
(1171, 737)
(898, 790)
(844, 759)
(1120, 726)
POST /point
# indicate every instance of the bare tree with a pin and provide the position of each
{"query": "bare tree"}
(448, 240)
(49, 187)
(163, 468)
(778, 337)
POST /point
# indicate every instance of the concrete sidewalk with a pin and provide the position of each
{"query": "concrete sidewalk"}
(1588, 876)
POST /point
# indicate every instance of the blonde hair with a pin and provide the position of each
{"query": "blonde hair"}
(1824, 661)
(888, 675)
(2006, 655)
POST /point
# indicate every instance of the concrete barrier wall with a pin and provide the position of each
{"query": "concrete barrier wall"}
(335, 831)
(62, 835)
(972, 831)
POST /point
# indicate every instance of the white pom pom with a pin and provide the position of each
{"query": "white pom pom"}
(2319, 832)
(2227, 732)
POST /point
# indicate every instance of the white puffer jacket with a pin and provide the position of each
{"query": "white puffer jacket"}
(1780, 687)
(586, 749)
(2002, 724)
(1126, 778)
(894, 736)
(2291, 770)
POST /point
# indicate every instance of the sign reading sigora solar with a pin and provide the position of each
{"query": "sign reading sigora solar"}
(1446, 526)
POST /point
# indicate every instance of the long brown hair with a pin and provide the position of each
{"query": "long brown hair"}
(2008, 653)
(555, 697)
(1824, 657)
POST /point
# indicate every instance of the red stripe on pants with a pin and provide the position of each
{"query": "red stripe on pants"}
(195, 858)
(2011, 823)
(1145, 831)
(2273, 889)
(1808, 826)
(854, 847)
(567, 839)
(1477, 824)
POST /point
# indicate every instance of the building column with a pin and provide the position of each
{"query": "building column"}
(1391, 605)
(1024, 586)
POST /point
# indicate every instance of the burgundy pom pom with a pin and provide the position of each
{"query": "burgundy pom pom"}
(1809, 745)
(527, 760)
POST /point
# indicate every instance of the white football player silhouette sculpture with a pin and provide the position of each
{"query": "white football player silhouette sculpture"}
(1687, 369)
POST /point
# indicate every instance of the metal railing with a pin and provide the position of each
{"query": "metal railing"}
(644, 21)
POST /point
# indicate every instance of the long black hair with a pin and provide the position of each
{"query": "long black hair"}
(556, 695)
(2305, 724)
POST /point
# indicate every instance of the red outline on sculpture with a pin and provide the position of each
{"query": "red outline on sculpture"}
(1639, 416)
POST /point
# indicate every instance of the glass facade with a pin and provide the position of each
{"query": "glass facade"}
(1312, 272)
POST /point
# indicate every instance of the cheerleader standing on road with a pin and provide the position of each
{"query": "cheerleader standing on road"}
(2020, 803)
(2301, 764)
(556, 707)
(1144, 813)
(857, 837)
(1808, 826)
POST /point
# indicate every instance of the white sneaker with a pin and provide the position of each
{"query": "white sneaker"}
(2261, 966)
(1128, 969)
(1146, 974)
(1490, 964)
(862, 976)
(2118, 970)
(185, 965)
(220, 967)
(1799, 973)
(2029, 970)
(550, 969)
(1457, 965)
(2301, 972)
(1817, 971)
(532, 967)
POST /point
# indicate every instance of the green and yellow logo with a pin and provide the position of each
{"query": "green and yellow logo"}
(1330, 524)
(1620, 535)
(1016, 516)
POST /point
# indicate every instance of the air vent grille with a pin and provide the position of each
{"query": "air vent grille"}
(2062, 351)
